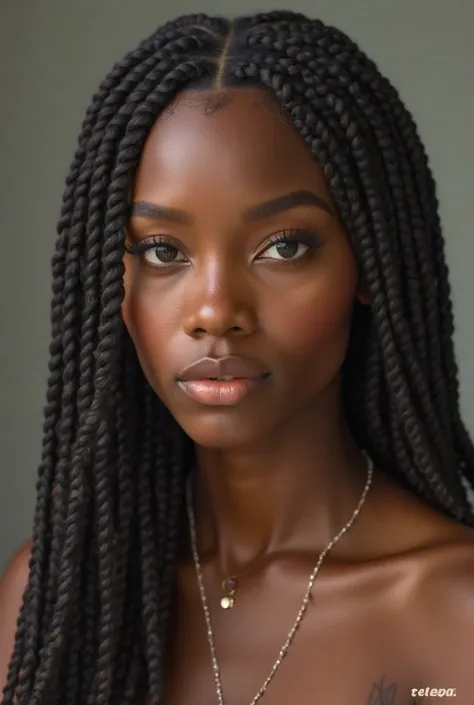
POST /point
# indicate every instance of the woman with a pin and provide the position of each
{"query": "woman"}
(253, 475)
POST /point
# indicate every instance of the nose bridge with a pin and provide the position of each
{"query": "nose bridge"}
(221, 298)
(225, 280)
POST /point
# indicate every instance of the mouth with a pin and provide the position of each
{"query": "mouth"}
(222, 391)
(222, 381)
(225, 378)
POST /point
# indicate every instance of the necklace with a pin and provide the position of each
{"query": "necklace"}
(306, 598)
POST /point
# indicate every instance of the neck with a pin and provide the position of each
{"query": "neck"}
(294, 492)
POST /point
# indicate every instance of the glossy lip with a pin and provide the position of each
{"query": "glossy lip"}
(231, 366)
(201, 380)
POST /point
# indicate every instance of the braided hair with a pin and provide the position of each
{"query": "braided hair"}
(93, 625)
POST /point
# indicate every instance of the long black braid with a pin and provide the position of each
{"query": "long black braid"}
(93, 626)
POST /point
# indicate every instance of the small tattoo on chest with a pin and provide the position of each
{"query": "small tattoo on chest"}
(382, 693)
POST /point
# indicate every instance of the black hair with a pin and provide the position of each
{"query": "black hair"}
(97, 608)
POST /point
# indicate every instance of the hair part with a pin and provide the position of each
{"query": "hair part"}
(93, 626)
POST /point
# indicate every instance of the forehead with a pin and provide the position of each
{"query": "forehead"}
(246, 143)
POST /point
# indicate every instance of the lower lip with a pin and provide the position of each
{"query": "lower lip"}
(221, 393)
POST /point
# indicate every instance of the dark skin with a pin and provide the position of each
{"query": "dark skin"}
(279, 474)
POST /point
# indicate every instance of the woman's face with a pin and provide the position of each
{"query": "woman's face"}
(241, 255)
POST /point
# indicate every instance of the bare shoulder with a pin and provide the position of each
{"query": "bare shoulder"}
(431, 589)
(440, 611)
(12, 587)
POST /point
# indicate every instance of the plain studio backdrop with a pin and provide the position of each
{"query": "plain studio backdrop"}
(54, 53)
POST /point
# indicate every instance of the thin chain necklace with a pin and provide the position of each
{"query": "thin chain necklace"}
(301, 612)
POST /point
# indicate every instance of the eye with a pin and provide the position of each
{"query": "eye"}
(285, 249)
(290, 245)
(158, 252)
(163, 254)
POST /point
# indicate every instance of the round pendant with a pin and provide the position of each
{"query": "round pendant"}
(227, 602)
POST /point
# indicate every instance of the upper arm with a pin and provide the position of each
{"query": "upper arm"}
(12, 587)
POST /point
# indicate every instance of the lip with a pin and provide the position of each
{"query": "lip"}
(230, 366)
(216, 393)
(201, 380)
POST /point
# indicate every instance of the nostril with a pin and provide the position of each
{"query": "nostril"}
(231, 330)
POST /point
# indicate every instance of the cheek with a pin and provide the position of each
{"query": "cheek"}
(313, 322)
(149, 324)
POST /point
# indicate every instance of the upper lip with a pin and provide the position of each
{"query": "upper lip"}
(231, 366)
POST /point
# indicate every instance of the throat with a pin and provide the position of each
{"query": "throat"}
(243, 518)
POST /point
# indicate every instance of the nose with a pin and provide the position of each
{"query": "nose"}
(220, 304)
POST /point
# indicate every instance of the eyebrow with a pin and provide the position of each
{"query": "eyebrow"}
(275, 206)
(285, 203)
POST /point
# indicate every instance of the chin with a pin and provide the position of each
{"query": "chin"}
(223, 432)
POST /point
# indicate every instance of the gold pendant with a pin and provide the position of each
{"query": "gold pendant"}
(229, 586)
(227, 602)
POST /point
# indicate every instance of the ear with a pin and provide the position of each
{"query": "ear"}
(362, 293)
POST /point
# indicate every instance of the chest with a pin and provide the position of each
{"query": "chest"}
(347, 650)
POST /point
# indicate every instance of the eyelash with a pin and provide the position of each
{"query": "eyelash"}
(303, 236)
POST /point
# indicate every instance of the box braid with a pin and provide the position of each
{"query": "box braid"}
(93, 625)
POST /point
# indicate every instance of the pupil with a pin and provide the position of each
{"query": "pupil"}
(287, 249)
(165, 253)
